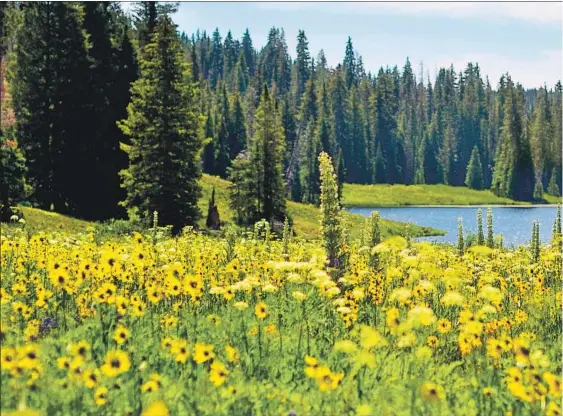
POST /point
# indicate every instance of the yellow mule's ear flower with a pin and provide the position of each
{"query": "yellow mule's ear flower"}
(101, 396)
(261, 310)
(432, 392)
(218, 373)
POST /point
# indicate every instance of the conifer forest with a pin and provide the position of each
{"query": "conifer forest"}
(176, 236)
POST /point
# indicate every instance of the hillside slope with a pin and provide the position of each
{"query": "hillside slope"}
(385, 195)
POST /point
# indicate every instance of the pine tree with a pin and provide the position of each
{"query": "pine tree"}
(490, 232)
(209, 148)
(355, 149)
(303, 65)
(48, 85)
(474, 176)
(309, 169)
(386, 122)
(552, 188)
(514, 173)
(249, 54)
(258, 184)
(331, 215)
(165, 129)
(145, 17)
(216, 64)
(99, 159)
(480, 235)
(349, 64)
(242, 191)
(237, 128)
(379, 174)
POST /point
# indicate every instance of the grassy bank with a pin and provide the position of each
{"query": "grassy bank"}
(305, 217)
(401, 195)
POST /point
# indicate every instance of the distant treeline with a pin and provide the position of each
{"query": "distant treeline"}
(391, 127)
(89, 91)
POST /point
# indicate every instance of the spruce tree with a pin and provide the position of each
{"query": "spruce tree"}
(99, 159)
(331, 215)
(48, 85)
(242, 191)
(552, 188)
(474, 176)
(145, 17)
(349, 64)
(303, 65)
(514, 173)
(258, 185)
(236, 128)
(268, 145)
(165, 130)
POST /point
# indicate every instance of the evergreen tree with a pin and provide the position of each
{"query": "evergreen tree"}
(379, 175)
(339, 104)
(474, 176)
(48, 85)
(386, 122)
(165, 129)
(267, 147)
(237, 128)
(241, 74)
(552, 188)
(99, 159)
(349, 64)
(242, 191)
(331, 215)
(209, 148)
(303, 65)
(355, 148)
(248, 51)
(145, 16)
(216, 59)
(309, 169)
(514, 174)
(289, 128)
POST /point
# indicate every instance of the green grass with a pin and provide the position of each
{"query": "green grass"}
(305, 217)
(385, 195)
(37, 219)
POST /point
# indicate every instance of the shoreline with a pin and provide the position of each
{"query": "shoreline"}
(455, 206)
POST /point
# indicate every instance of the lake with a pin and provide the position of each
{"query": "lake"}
(514, 223)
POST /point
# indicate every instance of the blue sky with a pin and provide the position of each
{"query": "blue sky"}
(524, 39)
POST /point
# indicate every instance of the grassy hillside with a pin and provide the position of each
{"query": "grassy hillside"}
(40, 220)
(399, 195)
(305, 217)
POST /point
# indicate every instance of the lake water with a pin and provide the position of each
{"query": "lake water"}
(514, 223)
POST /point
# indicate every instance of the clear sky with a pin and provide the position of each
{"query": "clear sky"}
(524, 39)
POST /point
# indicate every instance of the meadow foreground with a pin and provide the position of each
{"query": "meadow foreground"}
(248, 324)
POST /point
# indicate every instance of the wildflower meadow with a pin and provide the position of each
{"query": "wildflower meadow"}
(253, 324)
